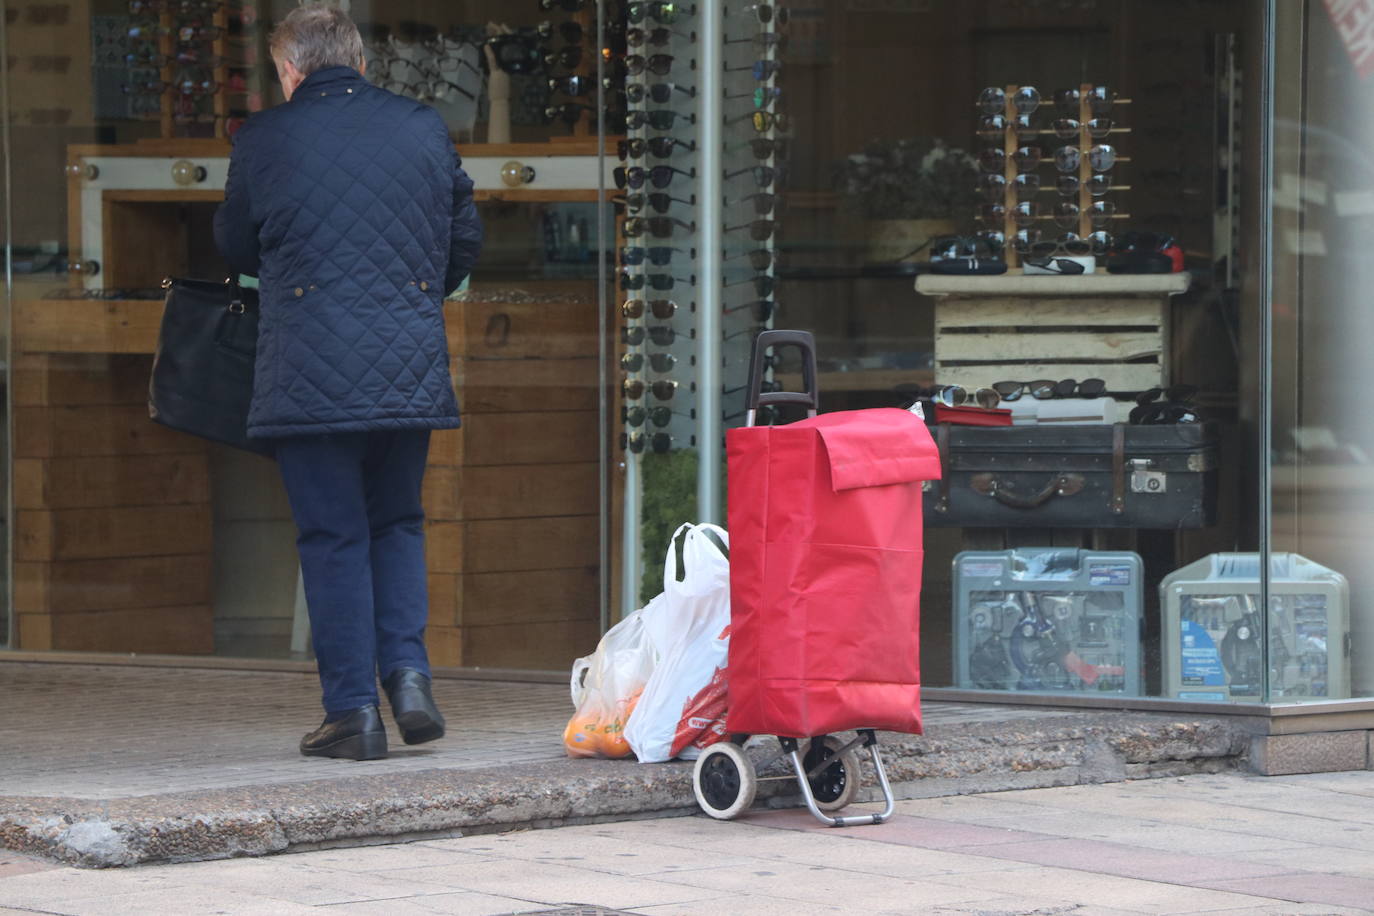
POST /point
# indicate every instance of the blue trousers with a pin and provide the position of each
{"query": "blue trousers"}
(360, 532)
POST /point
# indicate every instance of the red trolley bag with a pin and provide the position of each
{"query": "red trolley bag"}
(825, 563)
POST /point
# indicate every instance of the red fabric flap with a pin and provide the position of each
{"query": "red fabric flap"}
(876, 447)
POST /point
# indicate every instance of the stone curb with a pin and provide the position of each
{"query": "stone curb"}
(1056, 750)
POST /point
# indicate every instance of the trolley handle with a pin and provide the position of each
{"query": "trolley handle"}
(808, 397)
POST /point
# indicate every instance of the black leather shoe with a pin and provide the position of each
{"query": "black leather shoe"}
(412, 706)
(359, 735)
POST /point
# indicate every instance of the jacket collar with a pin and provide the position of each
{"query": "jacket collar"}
(328, 81)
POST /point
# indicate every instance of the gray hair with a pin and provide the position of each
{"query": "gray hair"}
(316, 35)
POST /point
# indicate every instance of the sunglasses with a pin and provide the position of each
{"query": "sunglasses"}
(658, 201)
(515, 53)
(660, 176)
(662, 309)
(569, 58)
(636, 38)
(957, 396)
(659, 362)
(637, 441)
(762, 40)
(763, 148)
(570, 31)
(1068, 185)
(655, 281)
(994, 125)
(661, 93)
(659, 256)
(763, 285)
(767, 12)
(658, 119)
(663, 12)
(764, 121)
(634, 388)
(994, 159)
(1041, 389)
(657, 226)
(759, 230)
(1175, 408)
(659, 416)
(763, 202)
(1055, 265)
(660, 335)
(570, 112)
(763, 175)
(572, 85)
(761, 70)
(570, 6)
(763, 96)
(661, 147)
(759, 258)
(1099, 99)
(659, 64)
(1029, 241)
(761, 309)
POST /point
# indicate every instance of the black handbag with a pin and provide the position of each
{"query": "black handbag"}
(202, 381)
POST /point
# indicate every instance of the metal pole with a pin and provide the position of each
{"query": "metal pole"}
(603, 384)
(709, 228)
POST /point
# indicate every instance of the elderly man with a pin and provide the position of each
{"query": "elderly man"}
(350, 205)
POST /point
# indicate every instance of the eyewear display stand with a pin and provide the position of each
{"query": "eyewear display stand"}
(1013, 139)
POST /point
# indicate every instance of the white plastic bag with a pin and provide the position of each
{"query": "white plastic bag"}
(682, 708)
(606, 686)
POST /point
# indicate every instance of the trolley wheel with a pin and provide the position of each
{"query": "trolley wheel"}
(724, 780)
(833, 787)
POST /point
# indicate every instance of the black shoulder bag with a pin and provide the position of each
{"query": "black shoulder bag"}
(202, 380)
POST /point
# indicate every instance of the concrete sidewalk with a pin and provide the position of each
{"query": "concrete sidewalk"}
(122, 765)
(1227, 844)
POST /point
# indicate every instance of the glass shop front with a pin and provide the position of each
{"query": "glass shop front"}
(1113, 249)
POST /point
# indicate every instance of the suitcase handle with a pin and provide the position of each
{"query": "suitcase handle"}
(1059, 485)
(808, 397)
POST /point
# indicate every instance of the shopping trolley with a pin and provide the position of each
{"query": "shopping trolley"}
(825, 578)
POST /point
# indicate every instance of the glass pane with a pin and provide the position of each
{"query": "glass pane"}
(136, 538)
(1321, 616)
(836, 188)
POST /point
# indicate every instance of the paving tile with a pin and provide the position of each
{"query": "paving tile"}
(1087, 889)
(752, 905)
(1133, 862)
(1283, 909)
(1354, 862)
(297, 880)
(181, 901)
(1307, 887)
(553, 883)
(802, 883)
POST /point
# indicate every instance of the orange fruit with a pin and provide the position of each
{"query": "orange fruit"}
(580, 738)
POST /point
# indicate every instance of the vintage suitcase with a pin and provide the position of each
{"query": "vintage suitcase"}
(1116, 476)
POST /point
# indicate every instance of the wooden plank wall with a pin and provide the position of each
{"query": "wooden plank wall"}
(113, 515)
(512, 497)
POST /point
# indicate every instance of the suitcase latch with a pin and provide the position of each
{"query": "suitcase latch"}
(1144, 480)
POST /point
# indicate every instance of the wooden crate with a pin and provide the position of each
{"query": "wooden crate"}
(1112, 327)
(512, 498)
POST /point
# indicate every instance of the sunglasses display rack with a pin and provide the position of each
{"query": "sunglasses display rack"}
(755, 145)
(1080, 128)
(652, 46)
(198, 59)
(571, 69)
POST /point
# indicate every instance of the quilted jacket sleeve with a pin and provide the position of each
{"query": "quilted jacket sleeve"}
(465, 240)
(236, 233)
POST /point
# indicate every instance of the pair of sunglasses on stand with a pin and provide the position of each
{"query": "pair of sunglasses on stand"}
(659, 282)
(1044, 389)
(658, 201)
(657, 255)
(637, 441)
(659, 416)
(662, 309)
(1162, 406)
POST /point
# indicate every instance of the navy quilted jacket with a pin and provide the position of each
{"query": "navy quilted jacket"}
(351, 206)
